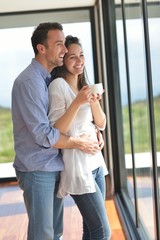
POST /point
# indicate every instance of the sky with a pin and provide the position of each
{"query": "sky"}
(137, 58)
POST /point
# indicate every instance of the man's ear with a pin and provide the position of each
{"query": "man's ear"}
(41, 48)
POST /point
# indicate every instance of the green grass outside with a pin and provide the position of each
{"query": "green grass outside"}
(6, 136)
(140, 121)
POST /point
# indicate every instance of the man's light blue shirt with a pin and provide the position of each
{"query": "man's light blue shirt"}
(33, 135)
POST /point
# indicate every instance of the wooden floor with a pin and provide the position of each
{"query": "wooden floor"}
(13, 217)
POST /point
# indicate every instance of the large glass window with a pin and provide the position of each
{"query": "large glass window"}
(16, 54)
(139, 190)
(154, 31)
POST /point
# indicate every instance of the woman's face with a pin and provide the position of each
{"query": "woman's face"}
(74, 59)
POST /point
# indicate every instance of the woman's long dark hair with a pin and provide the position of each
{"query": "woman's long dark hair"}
(61, 71)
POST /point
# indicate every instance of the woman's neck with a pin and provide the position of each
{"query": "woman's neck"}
(72, 80)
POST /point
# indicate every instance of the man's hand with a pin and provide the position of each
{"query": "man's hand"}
(87, 145)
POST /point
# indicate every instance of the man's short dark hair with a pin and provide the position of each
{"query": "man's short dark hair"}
(40, 33)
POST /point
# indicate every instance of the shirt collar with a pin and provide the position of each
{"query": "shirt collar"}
(45, 74)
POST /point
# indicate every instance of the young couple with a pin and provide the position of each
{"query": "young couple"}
(57, 145)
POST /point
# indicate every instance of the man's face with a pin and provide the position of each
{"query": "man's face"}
(55, 49)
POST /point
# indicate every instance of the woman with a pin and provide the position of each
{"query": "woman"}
(75, 111)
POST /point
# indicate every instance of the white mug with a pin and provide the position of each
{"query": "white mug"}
(97, 88)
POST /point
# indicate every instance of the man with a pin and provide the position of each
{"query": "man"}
(38, 161)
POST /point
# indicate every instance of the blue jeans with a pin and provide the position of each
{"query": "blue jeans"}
(93, 211)
(45, 210)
